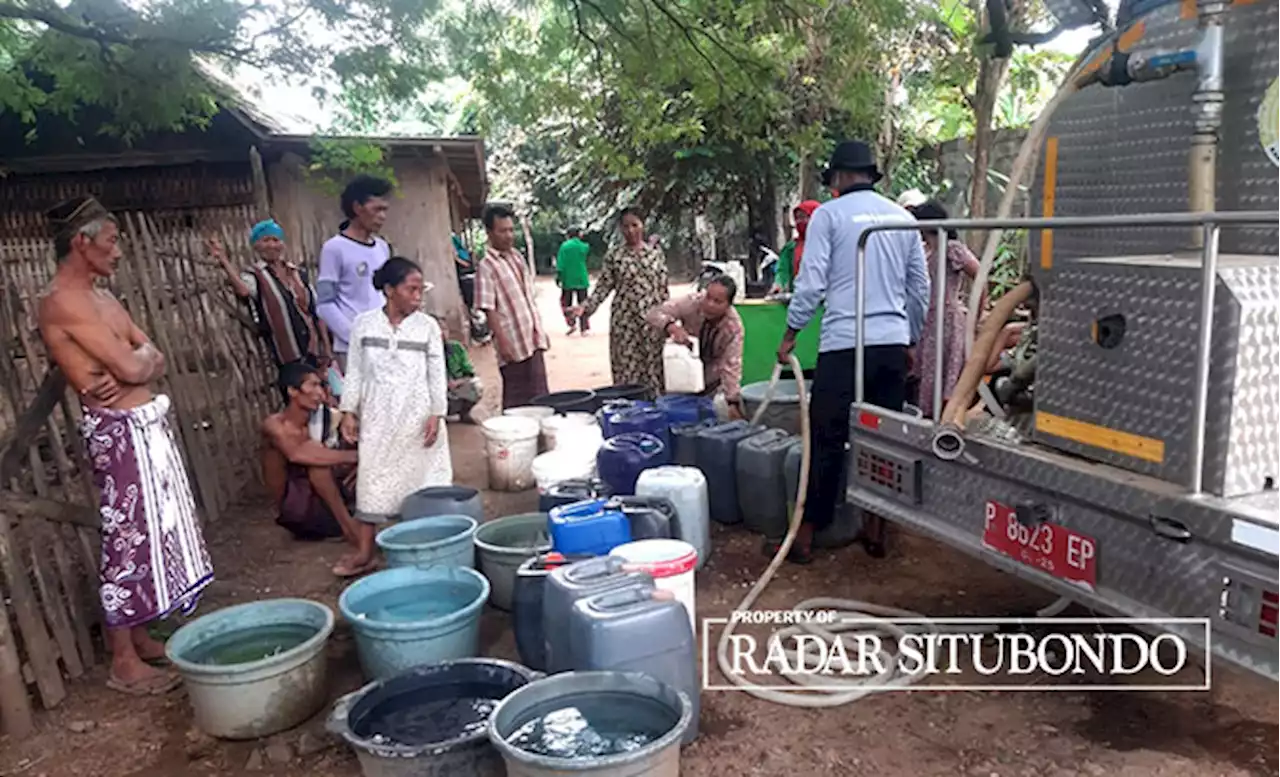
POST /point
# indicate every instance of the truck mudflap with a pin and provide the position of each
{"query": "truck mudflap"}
(1119, 543)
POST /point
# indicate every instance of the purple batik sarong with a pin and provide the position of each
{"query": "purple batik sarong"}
(154, 559)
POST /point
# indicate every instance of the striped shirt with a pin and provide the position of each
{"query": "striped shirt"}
(502, 286)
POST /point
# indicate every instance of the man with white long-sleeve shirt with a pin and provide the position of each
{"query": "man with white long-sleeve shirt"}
(348, 260)
(897, 300)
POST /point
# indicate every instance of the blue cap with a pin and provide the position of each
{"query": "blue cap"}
(268, 228)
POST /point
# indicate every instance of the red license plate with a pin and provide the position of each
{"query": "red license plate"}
(1048, 547)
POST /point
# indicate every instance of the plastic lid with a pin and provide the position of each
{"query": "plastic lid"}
(659, 557)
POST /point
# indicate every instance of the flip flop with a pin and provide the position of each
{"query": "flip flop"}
(156, 685)
(348, 572)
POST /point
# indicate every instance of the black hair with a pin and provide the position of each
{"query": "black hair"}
(632, 211)
(362, 189)
(495, 211)
(393, 273)
(932, 210)
(294, 374)
(573, 232)
(729, 284)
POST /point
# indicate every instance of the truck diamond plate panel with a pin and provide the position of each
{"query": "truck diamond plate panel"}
(1125, 150)
(1142, 387)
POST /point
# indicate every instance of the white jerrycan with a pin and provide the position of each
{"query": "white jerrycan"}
(683, 368)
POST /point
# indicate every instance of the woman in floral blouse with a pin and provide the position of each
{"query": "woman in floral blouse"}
(637, 271)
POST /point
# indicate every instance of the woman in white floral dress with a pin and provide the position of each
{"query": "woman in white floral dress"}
(396, 397)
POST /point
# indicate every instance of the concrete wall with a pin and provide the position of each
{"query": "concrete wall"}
(955, 166)
(418, 227)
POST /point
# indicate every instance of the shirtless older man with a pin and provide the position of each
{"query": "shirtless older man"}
(154, 561)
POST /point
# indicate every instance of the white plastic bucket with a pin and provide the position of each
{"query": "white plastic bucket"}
(584, 441)
(555, 467)
(510, 446)
(554, 425)
(672, 564)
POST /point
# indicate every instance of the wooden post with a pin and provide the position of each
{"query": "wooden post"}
(260, 194)
(29, 422)
(55, 610)
(15, 704)
(35, 637)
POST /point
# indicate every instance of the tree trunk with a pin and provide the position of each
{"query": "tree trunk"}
(991, 78)
(769, 202)
(528, 249)
(888, 140)
(807, 179)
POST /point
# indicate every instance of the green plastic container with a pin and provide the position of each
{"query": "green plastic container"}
(763, 325)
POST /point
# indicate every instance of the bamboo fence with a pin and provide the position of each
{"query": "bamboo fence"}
(221, 383)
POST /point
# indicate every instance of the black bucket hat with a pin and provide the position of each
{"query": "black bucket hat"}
(852, 155)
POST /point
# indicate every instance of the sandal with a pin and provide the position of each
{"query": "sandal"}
(347, 570)
(156, 685)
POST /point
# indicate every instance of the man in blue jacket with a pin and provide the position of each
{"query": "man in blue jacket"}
(897, 300)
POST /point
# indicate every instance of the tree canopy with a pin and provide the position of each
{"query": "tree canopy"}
(142, 62)
(718, 110)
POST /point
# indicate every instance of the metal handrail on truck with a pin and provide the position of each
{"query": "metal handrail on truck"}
(1211, 223)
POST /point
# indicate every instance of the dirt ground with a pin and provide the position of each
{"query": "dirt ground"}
(1230, 732)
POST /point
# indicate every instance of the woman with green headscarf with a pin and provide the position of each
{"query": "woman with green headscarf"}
(283, 298)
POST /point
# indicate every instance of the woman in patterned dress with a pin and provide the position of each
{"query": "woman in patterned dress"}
(637, 271)
(961, 264)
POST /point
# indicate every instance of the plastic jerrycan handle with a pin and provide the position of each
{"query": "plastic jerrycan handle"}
(576, 510)
(613, 601)
(593, 568)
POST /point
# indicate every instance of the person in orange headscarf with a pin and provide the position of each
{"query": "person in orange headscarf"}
(789, 260)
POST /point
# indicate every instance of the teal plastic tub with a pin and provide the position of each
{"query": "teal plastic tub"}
(441, 540)
(254, 669)
(407, 617)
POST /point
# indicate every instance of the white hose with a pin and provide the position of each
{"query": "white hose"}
(873, 620)
(1021, 164)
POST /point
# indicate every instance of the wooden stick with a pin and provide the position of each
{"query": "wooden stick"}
(35, 638)
(73, 589)
(55, 611)
(51, 391)
(15, 704)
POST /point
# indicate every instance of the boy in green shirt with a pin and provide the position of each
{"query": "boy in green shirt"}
(465, 389)
(571, 276)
